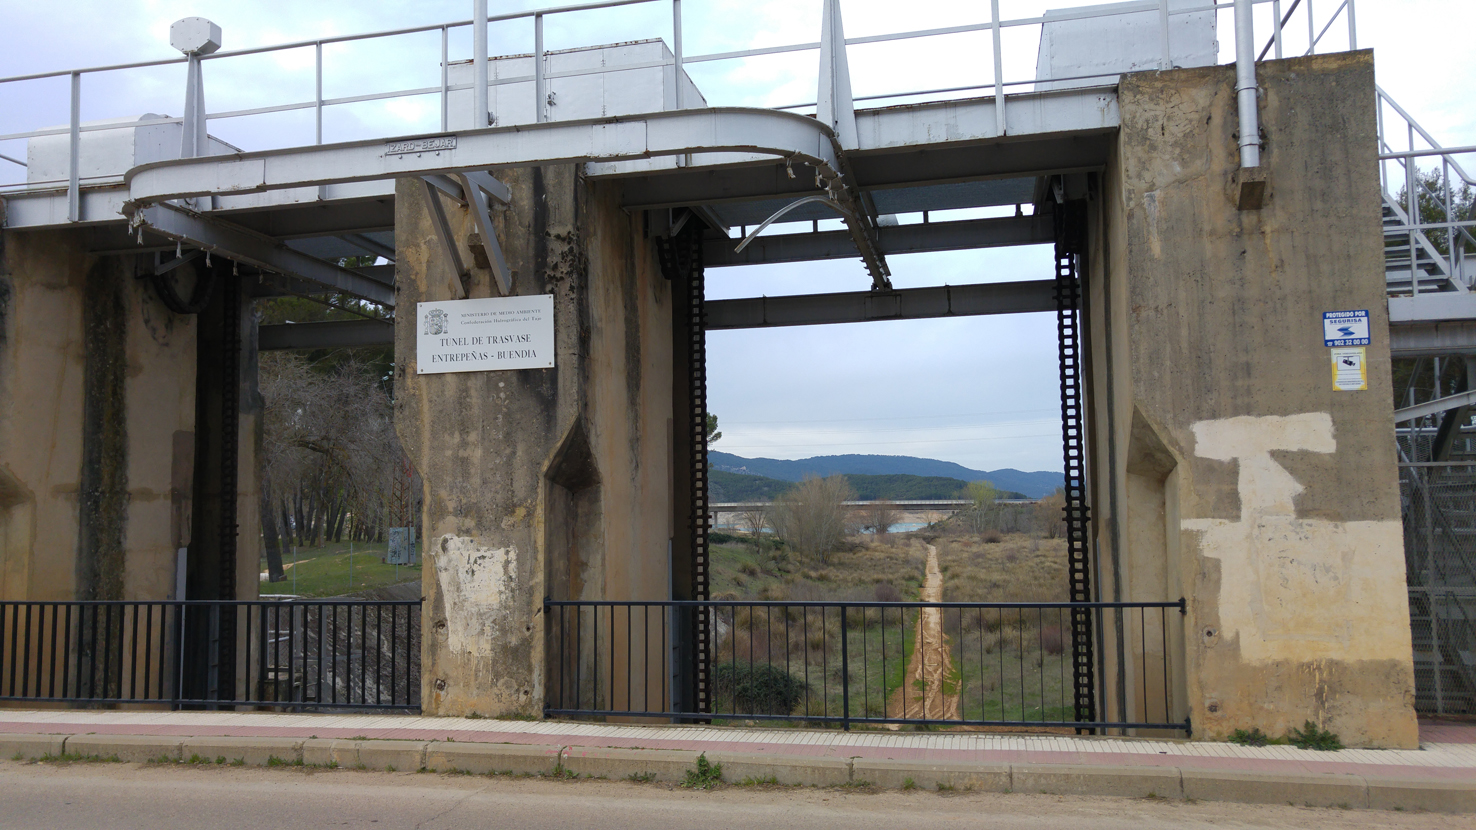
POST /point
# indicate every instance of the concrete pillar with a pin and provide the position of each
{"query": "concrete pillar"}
(547, 482)
(1228, 470)
(97, 428)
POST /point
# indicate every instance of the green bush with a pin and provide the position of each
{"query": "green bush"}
(1312, 736)
(718, 537)
(1255, 737)
(760, 689)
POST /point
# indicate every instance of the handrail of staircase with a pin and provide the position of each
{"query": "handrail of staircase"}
(1435, 150)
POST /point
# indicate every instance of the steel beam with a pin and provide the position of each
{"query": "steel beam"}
(723, 129)
(1432, 337)
(343, 334)
(893, 239)
(235, 242)
(900, 304)
(1410, 413)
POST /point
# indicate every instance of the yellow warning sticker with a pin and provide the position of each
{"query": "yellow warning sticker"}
(1349, 369)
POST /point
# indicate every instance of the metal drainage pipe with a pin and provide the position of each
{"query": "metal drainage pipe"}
(1245, 85)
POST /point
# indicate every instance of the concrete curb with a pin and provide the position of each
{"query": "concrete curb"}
(1331, 790)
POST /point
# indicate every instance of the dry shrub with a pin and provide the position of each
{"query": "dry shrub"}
(805, 591)
(992, 537)
(886, 592)
(1051, 640)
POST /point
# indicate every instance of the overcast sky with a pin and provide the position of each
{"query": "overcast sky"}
(979, 391)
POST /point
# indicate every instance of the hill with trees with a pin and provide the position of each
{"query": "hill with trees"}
(1032, 484)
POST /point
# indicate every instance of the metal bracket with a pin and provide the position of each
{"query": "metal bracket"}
(470, 190)
(478, 186)
(443, 230)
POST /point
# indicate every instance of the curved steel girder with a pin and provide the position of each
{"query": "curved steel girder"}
(796, 138)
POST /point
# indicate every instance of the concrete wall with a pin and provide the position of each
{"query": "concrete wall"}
(97, 417)
(548, 482)
(1227, 469)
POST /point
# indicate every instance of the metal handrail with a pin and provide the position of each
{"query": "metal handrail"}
(995, 26)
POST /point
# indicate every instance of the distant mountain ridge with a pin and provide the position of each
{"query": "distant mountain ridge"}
(1033, 484)
(724, 486)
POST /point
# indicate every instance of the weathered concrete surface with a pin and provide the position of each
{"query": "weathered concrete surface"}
(97, 420)
(531, 476)
(1228, 470)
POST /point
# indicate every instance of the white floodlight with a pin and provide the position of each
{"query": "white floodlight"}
(194, 36)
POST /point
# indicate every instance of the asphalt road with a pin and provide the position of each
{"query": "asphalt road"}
(100, 795)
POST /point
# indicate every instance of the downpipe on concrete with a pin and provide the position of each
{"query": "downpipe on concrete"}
(1245, 85)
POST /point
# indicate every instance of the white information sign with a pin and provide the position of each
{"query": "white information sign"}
(487, 335)
(1349, 369)
(1345, 328)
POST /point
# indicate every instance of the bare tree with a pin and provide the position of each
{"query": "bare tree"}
(1050, 514)
(754, 520)
(811, 517)
(981, 515)
(879, 516)
(329, 449)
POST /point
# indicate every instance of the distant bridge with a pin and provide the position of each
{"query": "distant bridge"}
(903, 505)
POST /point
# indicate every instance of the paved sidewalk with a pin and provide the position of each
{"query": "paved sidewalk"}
(1439, 775)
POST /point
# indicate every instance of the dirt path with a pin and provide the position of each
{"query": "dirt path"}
(925, 694)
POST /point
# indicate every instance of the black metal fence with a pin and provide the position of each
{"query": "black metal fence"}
(293, 655)
(1439, 501)
(839, 663)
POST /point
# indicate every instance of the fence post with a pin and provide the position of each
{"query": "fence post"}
(845, 675)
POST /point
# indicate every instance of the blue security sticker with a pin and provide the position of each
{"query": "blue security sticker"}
(1345, 328)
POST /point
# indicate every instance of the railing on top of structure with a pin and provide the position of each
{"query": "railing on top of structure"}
(1282, 25)
(296, 655)
(1428, 220)
(951, 664)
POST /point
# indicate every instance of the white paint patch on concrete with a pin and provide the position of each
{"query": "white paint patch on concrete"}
(477, 588)
(1295, 588)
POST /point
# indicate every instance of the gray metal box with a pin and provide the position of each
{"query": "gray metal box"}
(401, 546)
(107, 154)
(1106, 47)
(595, 82)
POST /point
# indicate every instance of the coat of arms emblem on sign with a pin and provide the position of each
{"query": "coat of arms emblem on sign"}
(435, 321)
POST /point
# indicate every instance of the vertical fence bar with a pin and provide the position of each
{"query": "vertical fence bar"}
(74, 158)
(318, 95)
(676, 50)
(1352, 27)
(845, 664)
(67, 655)
(1166, 60)
(26, 660)
(999, 101)
(1276, 26)
(51, 675)
(445, 79)
(479, 61)
(540, 94)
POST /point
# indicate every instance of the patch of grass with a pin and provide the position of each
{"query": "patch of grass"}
(763, 780)
(163, 759)
(239, 762)
(1312, 736)
(705, 776)
(1255, 737)
(388, 767)
(359, 738)
(475, 716)
(19, 756)
(641, 777)
(74, 757)
(324, 572)
(859, 785)
(274, 761)
(909, 784)
(944, 788)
